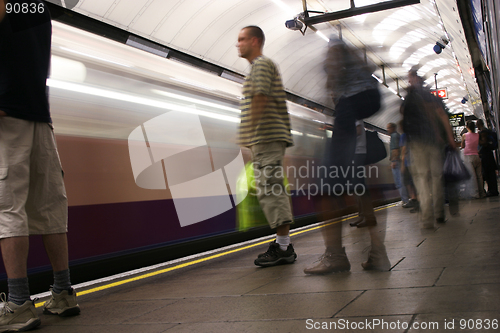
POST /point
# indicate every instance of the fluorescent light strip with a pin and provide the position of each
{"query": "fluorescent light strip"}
(319, 33)
(194, 100)
(376, 78)
(392, 90)
(192, 83)
(284, 7)
(94, 57)
(79, 88)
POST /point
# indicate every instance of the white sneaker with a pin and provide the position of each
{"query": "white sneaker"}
(377, 260)
(16, 318)
(330, 262)
(63, 304)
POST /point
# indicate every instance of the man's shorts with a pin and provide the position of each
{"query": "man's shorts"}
(32, 194)
(273, 198)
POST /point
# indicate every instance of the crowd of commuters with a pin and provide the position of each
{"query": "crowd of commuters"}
(416, 155)
(477, 154)
(427, 133)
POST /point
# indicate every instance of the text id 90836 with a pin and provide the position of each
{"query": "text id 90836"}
(24, 8)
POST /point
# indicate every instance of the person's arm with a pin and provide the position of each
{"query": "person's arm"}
(462, 145)
(483, 138)
(2, 9)
(259, 103)
(358, 130)
(2, 15)
(446, 124)
(261, 88)
(394, 154)
(394, 158)
(403, 154)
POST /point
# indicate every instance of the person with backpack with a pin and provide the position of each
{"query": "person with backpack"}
(488, 142)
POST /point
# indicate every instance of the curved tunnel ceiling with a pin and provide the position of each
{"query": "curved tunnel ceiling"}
(396, 39)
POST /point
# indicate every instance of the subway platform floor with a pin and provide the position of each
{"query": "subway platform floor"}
(441, 280)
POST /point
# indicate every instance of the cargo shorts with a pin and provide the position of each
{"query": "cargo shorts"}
(32, 193)
(273, 198)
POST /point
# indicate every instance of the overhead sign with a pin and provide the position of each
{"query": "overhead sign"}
(457, 119)
(441, 93)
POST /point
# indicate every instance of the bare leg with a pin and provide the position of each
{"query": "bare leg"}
(332, 234)
(56, 246)
(334, 259)
(15, 256)
(377, 258)
(283, 230)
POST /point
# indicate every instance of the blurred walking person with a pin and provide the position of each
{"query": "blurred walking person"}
(470, 142)
(356, 96)
(406, 172)
(488, 143)
(429, 131)
(395, 158)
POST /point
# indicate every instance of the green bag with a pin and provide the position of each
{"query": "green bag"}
(249, 212)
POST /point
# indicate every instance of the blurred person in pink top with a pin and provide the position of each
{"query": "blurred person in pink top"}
(470, 142)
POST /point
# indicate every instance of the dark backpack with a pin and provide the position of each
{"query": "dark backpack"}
(375, 148)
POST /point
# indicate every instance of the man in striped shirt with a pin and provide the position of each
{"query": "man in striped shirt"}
(265, 130)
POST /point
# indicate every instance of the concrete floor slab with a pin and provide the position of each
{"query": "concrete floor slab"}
(250, 307)
(425, 300)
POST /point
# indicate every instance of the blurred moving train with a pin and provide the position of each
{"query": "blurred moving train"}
(100, 92)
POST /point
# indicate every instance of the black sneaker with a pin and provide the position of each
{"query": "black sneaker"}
(356, 221)
(367, 222)
(440, 220)
(265, 253)
(410, 204)
(416, 208)
(276, 256)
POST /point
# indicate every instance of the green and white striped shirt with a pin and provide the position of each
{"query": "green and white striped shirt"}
(274, 125)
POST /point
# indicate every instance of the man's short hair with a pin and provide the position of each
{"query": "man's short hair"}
(392, 125)
(255, 31)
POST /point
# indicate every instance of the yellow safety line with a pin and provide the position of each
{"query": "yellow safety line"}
(190, 263)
